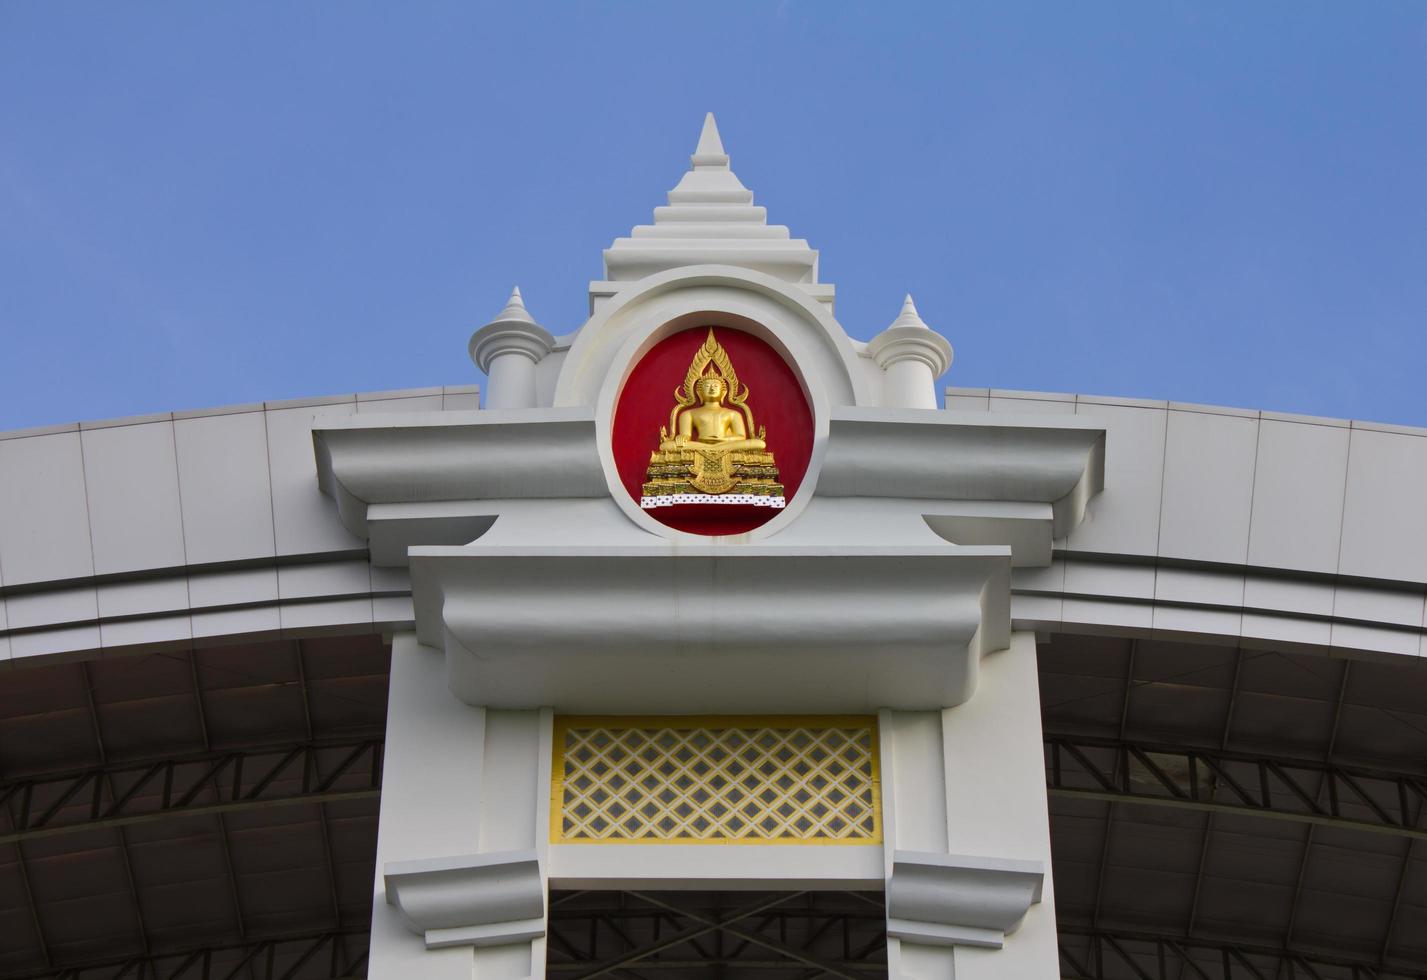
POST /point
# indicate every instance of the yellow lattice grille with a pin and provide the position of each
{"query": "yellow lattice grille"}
(677, 780)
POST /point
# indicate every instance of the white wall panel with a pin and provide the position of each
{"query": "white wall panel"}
(1298, 496)
(968, 399)
(1124, 518)
(69, 642)
(223, 482)
(252, 623)
(1375, 605)
(429, 402)
(1208, 486)
(144, 597)
(168, 631)
(44, 520)
(52, 607)
(1110, 579)
(305, 520)
(461, 398)
(1289, 595)
(1385, 511)
(231, 588)
(1027, 403)
(132, 478)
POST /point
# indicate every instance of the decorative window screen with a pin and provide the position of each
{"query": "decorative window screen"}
(716, 780)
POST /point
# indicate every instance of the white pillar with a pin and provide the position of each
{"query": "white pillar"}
(912, 356)
(460, 889)
(968, 833)
(510, 380)
(507, 350)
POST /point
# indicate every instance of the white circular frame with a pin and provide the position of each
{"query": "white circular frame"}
(812, 345)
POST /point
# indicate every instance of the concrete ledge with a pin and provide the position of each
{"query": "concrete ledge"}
(469, 900)
(955, 900)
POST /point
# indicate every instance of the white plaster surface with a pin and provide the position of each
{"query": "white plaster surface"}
(1298, 496)
(304, 520)
(1384, 520)
(44, 517)
(1124, 517)
(996, 802)
(430, 804)
(225, 487)
(1208, 487)
(132, 481)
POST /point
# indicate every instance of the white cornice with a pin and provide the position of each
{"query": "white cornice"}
(931, 455)
(709, 628)
(956, 900)
(435, 476)
(469, 900)
(455, 456)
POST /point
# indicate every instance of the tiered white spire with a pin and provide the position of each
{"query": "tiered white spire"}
(913, 356)
(909, 317)
(514, 309)
(507, 350)
(711, 219)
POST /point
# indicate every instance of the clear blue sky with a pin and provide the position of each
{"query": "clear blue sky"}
(210, 203)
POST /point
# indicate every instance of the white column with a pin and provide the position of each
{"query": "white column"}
(460, 891)
(912, 356)
(507, 350)
(996, 803)
(914, 819)
(510, 380)
(967, 840)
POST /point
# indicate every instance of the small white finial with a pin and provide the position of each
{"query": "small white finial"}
(709, 152)
(515, 308)
(909, 317)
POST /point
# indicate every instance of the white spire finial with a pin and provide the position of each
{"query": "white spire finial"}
(515, 308)
(709, 152)
(909, 317)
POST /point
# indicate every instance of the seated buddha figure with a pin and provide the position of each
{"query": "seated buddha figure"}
(711, 425)
(709, 451)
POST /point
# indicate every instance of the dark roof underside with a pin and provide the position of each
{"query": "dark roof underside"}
(202, 803)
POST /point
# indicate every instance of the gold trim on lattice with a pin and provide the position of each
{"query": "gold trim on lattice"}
(721, 779)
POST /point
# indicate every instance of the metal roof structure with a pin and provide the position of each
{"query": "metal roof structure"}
(1215, 812)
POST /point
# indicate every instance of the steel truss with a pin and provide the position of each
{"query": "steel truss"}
(1236, 782)
(801, 934)
(206, 782)
(316, 956)
(1087, 954)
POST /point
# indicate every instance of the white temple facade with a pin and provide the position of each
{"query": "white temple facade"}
(711, 619)
(859, 643)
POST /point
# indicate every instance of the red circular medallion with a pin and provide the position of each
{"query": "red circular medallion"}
(737, 432)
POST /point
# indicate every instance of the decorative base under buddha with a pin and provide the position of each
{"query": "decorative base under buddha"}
(745, 499)
(693, 475)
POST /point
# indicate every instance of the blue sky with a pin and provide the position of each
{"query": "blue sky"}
(204, 204)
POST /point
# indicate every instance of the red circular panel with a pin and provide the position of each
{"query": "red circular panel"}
(774, 396)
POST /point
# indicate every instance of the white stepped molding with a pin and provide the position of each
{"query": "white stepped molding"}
(954, 900)
(469, 900)
(711, 219)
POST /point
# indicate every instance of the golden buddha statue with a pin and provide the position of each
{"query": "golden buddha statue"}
(711, 424)
(707, 453)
